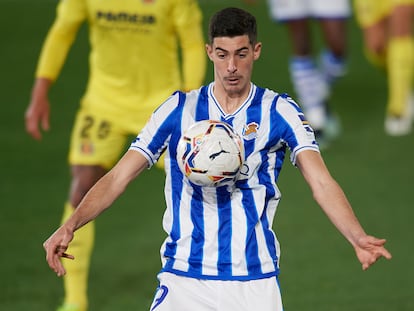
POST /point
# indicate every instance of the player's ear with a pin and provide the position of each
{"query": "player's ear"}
(257, 49)
(209, 50)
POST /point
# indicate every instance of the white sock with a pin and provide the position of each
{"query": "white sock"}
(332, 67)
(311, 88)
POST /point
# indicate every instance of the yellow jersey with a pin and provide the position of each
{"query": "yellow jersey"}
(370, 12)
(134, 60)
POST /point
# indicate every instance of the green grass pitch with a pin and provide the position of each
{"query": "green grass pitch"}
(319, 269)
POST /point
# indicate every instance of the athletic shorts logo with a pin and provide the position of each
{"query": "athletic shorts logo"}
(160, 295)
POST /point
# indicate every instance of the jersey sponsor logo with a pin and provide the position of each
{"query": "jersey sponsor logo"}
(124, 17)
(160, 295)
(250, 131)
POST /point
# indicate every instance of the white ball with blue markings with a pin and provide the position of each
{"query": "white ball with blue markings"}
(210, 153)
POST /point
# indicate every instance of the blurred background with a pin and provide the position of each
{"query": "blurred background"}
(319, 270)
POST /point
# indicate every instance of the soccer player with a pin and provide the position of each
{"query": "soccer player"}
(388, 35)
(221, 252)
(134, 66)
(313, 76)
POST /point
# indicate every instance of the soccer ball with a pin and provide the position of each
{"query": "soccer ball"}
(210, 153)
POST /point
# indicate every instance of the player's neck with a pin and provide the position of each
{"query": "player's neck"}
(230, 100)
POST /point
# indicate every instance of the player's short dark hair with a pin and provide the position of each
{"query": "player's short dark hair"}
(232, 22)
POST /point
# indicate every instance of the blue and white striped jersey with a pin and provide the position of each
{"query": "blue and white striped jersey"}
(225, 232)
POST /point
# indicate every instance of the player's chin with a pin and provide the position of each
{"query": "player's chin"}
(234, 87)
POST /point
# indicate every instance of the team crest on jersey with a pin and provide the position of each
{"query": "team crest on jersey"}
(250, 131)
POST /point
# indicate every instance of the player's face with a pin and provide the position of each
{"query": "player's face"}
(233, 59)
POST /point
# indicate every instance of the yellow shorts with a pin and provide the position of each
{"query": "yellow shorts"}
(100, 140)
(370, 12)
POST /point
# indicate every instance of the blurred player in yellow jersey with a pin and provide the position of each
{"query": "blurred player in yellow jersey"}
(134, 66)
(388, 34)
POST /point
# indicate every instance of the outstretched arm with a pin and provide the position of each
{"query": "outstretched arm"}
(98, 199)
(329, 195)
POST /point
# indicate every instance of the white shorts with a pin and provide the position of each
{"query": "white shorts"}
(187, 294)
(283, 10)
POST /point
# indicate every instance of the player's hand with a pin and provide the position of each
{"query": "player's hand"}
(369, 249)
(55, 247)
(38, 111)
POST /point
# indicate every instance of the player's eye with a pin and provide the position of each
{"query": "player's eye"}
(242, 53)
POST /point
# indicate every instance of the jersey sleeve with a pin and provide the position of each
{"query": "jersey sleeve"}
(297, 133)
(188, 21)
(70, 14)
(154, 137)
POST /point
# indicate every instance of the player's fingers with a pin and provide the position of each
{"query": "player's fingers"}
(51, 258)
(45, 122)
(365, 266)
(32, 128)
(60, 250)
(383, 252)
(56, 264)
(53, 262)
(369, 262)
(66, 255)
(53, 255)
(30, 120)
(380, 252)
(58, 267)
(387, 254)
(379, 248)
(378, 242)
(370, 242)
